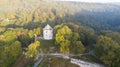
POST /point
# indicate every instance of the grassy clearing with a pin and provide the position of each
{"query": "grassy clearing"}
(48, 46)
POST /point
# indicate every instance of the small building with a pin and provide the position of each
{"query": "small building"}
(47, 32)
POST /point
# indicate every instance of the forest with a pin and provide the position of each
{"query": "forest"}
(78, 28)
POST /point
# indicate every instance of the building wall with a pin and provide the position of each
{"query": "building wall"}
(47, 34)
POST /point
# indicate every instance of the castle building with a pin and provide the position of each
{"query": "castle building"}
(47, 32)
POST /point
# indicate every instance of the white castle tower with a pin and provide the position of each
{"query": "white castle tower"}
(47, 32)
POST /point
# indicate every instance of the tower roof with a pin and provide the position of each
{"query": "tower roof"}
(47, 27)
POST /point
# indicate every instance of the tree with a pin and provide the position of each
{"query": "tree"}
(33, 49)
(67, 40)
(114, 35)
(24, 39)
(38, 31)
(9, 37)
(16, 49)
(87, 35)
(10, 53)
(65, 46)
(63, 36)
(31, 34)
(76, 45)
(107, 50)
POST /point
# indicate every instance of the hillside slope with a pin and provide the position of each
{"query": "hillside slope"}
(96, 15)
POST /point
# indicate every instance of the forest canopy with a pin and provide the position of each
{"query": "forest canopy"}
(78, 28)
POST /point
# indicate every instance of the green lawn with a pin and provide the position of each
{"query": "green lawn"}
(48, 46)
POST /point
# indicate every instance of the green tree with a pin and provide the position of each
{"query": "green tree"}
(16, 49)
(107, 50)
(87, 35)
(24, 39)
(114, 35)
(76, 45)
(10, 53)
(10, 36)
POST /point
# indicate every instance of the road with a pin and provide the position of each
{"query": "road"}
(82, 63)
(79, 62)
(39, 60)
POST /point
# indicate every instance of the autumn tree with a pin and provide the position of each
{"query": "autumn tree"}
(63, 36)
(67, 40)
(33, 49)
(38, 31)
(64, 46)
(31, 35)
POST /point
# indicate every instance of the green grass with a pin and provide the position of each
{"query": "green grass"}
(48, 46)
(46, 43)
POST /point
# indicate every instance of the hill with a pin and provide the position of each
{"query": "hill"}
(79, 28)
(99, 16)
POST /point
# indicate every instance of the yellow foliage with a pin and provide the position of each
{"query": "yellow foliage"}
(33, 49)
(65, 47)
(38, 31)
(63, 36)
